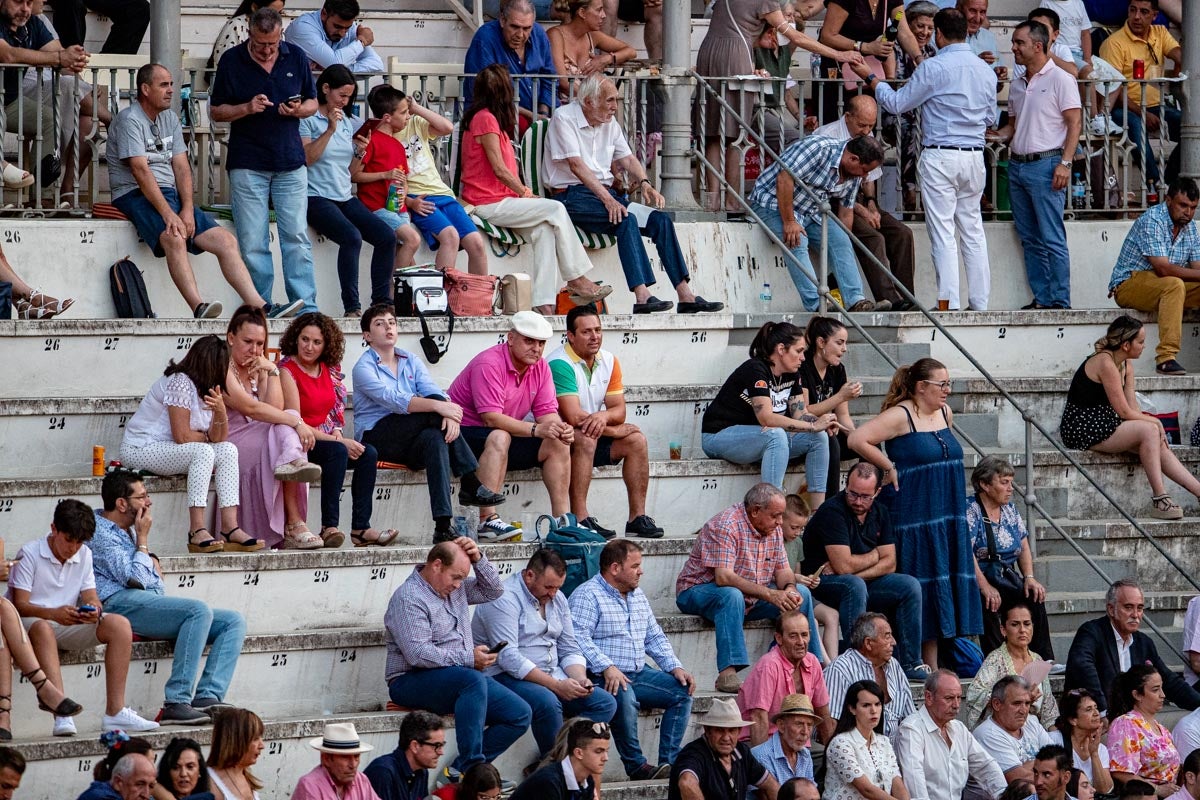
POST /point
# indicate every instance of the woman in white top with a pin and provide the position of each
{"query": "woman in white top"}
(180, 428)
(1080, 722)
(862, 764)
(237, 740)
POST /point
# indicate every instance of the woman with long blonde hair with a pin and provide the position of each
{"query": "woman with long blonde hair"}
(237, 741)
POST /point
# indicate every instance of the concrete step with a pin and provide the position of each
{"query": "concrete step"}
(1115, 540)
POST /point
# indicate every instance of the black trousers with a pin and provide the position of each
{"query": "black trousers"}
(417, 442)
(129, 18)
(993, 635)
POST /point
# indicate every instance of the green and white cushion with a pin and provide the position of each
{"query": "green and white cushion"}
(533, 144)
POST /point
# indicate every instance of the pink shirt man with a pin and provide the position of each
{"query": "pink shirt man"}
(772, 679)
(490, 383)
(317, 785)
(1038, 102)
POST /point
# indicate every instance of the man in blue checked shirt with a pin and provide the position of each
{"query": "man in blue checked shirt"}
(831, 170)
(615, 629)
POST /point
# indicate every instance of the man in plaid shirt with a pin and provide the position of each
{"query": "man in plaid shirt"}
(615, 629)
(831, 170)
(738, 571)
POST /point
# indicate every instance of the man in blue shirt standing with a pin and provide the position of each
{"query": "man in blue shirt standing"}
(331, 36)
(956, 92)
(519, 43)
(264, 87)
(406, 417)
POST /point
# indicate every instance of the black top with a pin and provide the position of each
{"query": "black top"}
(393, 779)
(33, 35)
(550, 783)
(834, 523)
(861, 25)
(732, 405)
(1085, 392)
(821, 389)
(715, 782)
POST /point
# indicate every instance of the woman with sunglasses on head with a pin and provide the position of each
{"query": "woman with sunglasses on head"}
(1102, 414)
(586, 754)
(927, 498)
(1082, 725)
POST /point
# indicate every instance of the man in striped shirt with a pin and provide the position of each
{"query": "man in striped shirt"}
(870, 659)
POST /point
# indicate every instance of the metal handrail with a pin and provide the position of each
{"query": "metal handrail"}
(827, 215)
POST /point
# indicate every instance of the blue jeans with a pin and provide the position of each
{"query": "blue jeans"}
(1136, 128)
(650, 688)
(475, 700)
(192, 625)
(725, 607)
(841, 260)
(347, 224)
(334, 461)
(249, 190)
(1037, 211)
(588, 213)
(774, 447)
(898, 596)
(549, 711)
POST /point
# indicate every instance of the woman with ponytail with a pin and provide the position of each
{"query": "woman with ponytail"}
(927, 498)
(1102, 414)
(823, 376)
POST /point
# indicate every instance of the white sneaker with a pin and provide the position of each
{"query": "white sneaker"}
(1099, 125)
(64, 726)
(126, 720)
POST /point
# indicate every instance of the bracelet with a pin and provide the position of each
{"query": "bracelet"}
(273, 373)
(533, 431)
(143, 548)
(1027, 577)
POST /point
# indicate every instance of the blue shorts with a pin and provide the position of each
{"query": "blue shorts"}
(449, 213)
(394, 220)
(149, 223)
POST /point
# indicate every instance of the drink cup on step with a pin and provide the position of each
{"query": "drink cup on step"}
(676, 450)
(943, 305)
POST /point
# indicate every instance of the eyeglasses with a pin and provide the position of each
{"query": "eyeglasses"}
(438, 746)
(853, 495)
(599, 728)
(945, 447)
(158, 142)
(142, 496)
(943, 385)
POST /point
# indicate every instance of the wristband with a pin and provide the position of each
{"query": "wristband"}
(533, 431)
(1027, 577)
(871, 78)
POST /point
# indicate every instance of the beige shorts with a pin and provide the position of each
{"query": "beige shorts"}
(69, 637)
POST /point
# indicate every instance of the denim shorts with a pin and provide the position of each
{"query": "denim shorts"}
(149, 223)
(394, 220)
(449, 213)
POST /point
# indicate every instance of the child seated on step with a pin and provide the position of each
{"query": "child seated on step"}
(380, 168)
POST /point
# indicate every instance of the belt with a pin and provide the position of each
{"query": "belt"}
(555, 192)
(1025, 158)
(952, 147)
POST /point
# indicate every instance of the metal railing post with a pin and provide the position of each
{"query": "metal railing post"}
(1030, 494)
(823, 266)
(165, 42)
(676, 169)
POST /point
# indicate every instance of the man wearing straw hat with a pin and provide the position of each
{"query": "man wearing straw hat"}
(717, 764)
(786, 755)
(337, 777)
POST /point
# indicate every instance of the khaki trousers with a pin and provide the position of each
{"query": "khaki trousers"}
(1146, 291)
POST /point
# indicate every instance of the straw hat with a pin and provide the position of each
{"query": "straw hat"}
(340, 737)
(796, 705)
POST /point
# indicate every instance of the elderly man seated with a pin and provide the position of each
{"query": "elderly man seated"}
(1010, 733)
(786, 754)
(717, 765)
(516, 41)
(341, 750)
(870, 659)
(582, 145)
(783, 671)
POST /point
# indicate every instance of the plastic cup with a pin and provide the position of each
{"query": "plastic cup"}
(676, 451)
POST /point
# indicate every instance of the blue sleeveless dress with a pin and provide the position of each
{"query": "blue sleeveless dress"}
(933, 543)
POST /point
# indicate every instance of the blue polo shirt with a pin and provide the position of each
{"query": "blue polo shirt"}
(33, 35)
(266, 141)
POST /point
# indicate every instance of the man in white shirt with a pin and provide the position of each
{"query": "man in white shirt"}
(1191, 642)
(1189, 777)
(1186, 733)
(583, 142)
(888, 239)
(1011, 734)
(54, 590)
(936, 752)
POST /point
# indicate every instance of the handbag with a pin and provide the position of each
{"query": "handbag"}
(470, 295)
(516, 293)
(1002, 576)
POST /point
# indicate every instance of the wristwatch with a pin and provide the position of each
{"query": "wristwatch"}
(871, 78)
(1065, 163)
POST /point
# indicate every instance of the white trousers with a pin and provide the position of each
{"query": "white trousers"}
(951, 184)
(551, 234)
(198, 460)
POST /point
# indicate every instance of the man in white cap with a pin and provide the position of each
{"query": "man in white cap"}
(510, 418)
(337, 777)
(717, 764)
(786, 754)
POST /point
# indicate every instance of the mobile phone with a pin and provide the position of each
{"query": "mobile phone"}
(497, 647)
(86, 609)
(294, 99)
(369, 126)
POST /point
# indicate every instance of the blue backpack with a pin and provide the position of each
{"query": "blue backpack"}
(580, 547)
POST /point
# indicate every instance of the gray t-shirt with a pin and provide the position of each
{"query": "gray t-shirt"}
(133, 135)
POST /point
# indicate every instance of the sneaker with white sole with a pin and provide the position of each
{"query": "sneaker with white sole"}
(65, 726)
(284, 310)
(127, 720)
(494, 529)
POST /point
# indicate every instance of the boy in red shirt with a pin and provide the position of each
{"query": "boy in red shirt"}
(380, 160)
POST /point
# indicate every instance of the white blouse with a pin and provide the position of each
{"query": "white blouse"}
(151, 423)
(850, 757)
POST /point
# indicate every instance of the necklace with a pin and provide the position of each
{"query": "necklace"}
(252, 379)
(232, 781)
(874, 763)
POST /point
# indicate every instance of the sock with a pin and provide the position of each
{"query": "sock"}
(470, 483)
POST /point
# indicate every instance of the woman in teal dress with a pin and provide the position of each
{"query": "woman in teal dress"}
(925, 490)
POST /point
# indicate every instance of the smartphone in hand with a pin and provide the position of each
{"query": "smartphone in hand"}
(497, 647)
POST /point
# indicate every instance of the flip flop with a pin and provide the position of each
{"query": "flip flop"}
(383, 539)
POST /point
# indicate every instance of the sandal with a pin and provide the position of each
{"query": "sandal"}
(297, 536)
(247, 545)
(1163, 507)
(15, 178)
(332, 537)
(41, 306)
(65, 708)
(210, 544)
(5, 708)
(382, 538)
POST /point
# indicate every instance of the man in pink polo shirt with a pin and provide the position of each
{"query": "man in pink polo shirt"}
(787, 668)
(510, 418)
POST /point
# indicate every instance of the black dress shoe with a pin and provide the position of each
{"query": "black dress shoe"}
(903, 305)
(698, 306)
(652, 306)
(1034, 305)
(1170, 367)
(482, 496)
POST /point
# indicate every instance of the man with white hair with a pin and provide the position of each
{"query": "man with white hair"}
(1011, 734)
(583, 142)
(337, 776)
(133, 777)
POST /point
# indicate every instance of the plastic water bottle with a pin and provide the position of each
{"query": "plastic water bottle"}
(764, 298)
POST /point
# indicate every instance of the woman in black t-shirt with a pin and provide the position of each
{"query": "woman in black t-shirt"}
(823, 377)
(759, 414)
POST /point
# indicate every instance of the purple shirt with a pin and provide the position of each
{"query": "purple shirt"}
(491, 384)
(317, 785)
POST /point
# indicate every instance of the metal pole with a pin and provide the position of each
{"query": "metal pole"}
(823, 270)
(676, 118)
(1030, 495)
(1189, 138)
(165, 43)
